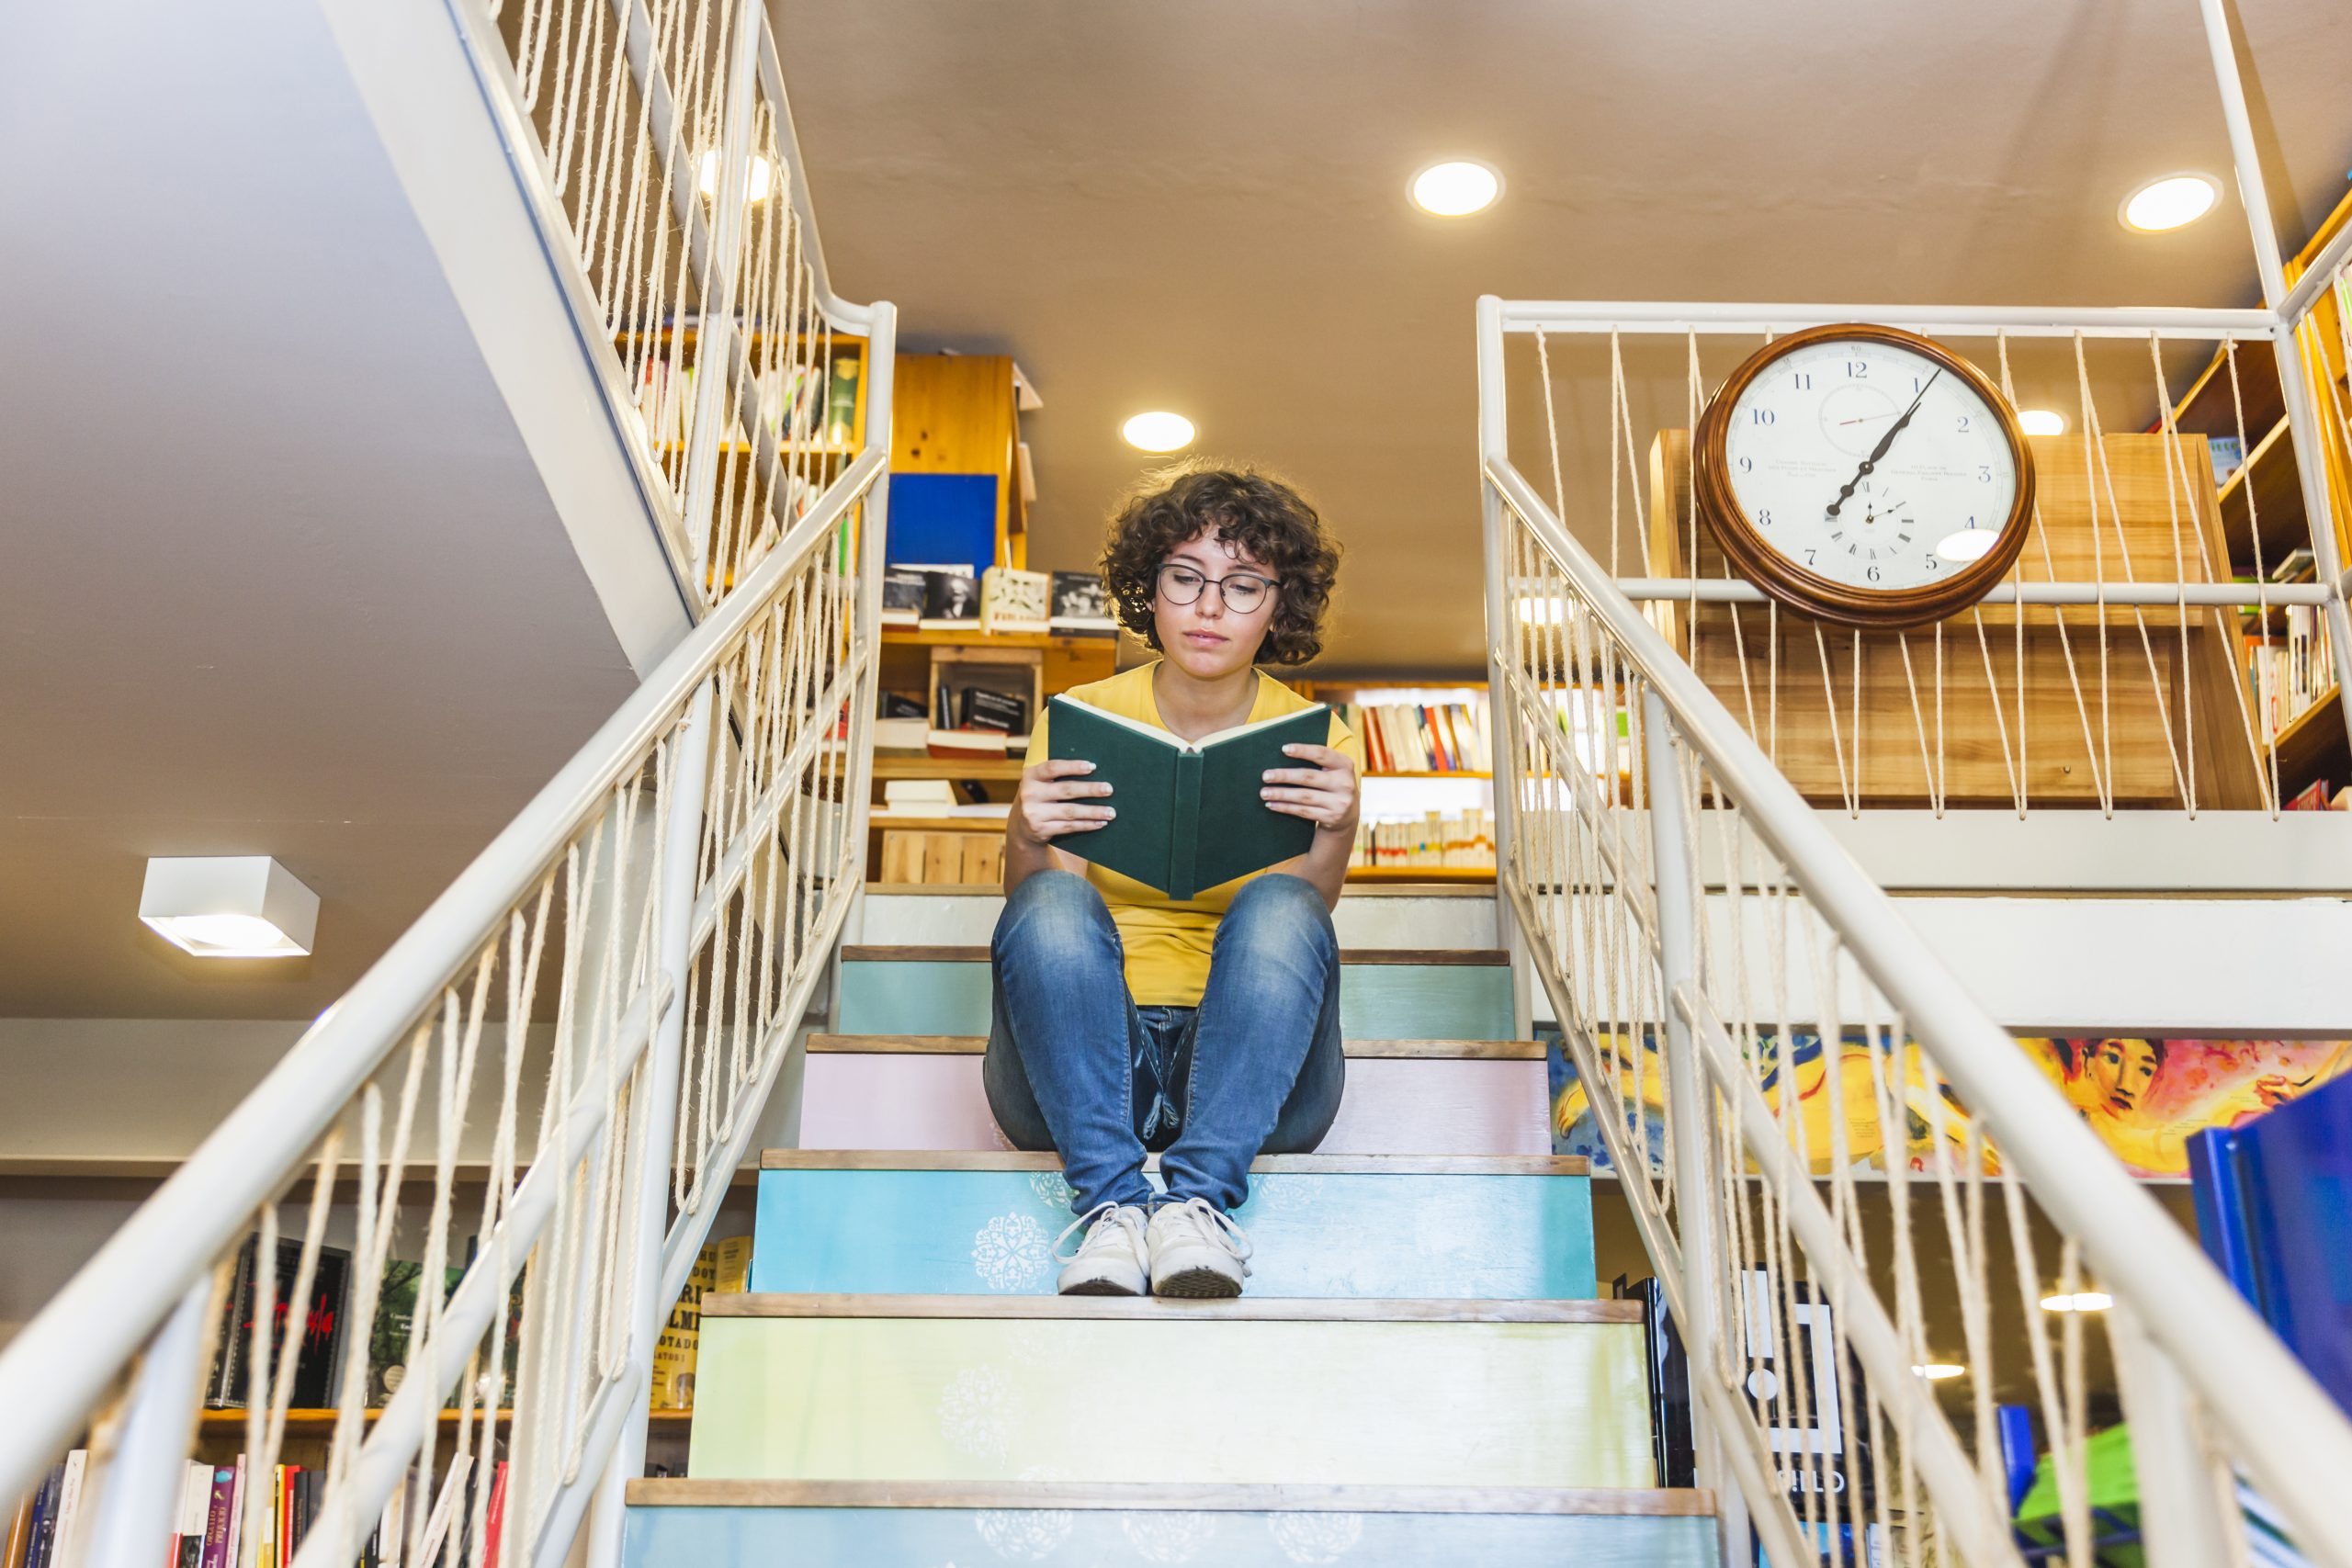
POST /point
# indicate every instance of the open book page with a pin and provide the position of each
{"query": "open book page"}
(1170, 738)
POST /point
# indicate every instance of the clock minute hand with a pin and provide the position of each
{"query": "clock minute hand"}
(1885, 442)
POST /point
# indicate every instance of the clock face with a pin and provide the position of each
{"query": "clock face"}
(1866, 475)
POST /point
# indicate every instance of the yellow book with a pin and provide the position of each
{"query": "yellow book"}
(722, 1265)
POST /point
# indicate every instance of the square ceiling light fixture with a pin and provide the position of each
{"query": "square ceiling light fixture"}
(229, 907)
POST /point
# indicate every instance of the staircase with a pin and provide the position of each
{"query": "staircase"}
(1420, 1371)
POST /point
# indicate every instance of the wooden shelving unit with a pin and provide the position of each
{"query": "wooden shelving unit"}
(890, 767)
(1068, 642)
(319, 1422)
(2265, 490)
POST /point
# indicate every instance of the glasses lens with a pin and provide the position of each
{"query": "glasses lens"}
(1180, 584)
(1244, 593)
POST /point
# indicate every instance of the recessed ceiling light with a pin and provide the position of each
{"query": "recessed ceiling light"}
(2081, 1300)
(2041, 421)
(1456, 188)
(1158, 431)
(228, 906)
(762, 177)
(2171, 202)
(1969, 544)
(1940, 1371)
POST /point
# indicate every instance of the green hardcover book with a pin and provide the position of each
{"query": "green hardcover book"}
(1189, 814)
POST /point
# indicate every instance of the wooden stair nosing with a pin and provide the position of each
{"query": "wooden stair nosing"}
(1147, 1309)
(1482, 957)
(976, 1045)
(1264, 1164)
(684, 1491)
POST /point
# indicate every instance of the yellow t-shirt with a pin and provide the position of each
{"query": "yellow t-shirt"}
(1167, 940)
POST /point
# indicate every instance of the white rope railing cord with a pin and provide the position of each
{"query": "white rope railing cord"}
(2092, 749)
(2178, 473)
(2101, 477)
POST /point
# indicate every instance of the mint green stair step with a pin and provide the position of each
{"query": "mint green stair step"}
(1101, 1389)
(1324, 1225)
(709, 1524)
(1385, 994)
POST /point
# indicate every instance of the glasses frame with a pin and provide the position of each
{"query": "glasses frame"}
(1159, 586)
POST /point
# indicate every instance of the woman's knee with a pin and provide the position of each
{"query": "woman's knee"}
(1279, 903)
(1055, 915)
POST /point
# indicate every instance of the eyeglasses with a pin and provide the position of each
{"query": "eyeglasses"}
(1242, 592)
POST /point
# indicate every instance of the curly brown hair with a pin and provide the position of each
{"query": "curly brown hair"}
(1259, 512)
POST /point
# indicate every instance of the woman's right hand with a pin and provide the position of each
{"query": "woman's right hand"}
(1057, 798)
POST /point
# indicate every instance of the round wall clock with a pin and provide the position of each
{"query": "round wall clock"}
(1865, 474)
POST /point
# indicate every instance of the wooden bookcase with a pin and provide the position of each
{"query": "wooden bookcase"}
(2265, 494)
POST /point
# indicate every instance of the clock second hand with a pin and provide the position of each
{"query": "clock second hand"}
(1885, 442)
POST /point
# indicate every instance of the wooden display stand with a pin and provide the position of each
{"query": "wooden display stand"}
(2198, 690)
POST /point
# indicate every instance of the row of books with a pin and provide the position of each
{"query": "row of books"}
(322, 1320)
(215, 1509)
(800, 401)
(2288, 676)
(1464, 839)
(1423, 738)
(1001, 600)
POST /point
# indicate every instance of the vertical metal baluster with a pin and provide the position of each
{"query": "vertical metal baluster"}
(131, 1508)
(682, 807)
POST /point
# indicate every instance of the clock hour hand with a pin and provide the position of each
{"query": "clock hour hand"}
(1885, 442)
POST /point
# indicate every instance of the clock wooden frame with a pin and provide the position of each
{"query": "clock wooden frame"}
(1808, 593)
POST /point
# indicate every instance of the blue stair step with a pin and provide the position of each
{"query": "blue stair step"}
(1510, 1228)
(1385, 994)
(700, 1524)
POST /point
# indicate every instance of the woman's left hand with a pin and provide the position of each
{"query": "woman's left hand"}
(1325, 792)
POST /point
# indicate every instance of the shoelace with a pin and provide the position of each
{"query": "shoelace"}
(1209, 1223)
(1119, 1216)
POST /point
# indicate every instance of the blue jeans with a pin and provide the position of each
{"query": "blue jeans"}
(1074, 1065)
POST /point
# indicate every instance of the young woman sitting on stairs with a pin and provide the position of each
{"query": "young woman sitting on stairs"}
(1207, 1030)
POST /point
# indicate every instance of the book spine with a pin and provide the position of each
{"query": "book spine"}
(216, 1518)
(1185, 836)
(20, 1529)
(69, 1505)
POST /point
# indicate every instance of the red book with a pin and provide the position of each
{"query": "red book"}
(494, 1517)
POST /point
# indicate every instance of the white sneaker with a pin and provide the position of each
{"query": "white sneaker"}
(1196, 1251)
(1112, 1260)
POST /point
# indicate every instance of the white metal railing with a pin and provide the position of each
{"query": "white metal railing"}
(668, 173)
(1753, 1020)
(545, 1087)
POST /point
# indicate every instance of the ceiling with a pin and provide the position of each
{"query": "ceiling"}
(1201, 207)
(277, 574)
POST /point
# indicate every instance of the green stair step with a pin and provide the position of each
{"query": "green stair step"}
(1092, 1389)
(699, 1524)
(1324, 1225)
(1385, 994)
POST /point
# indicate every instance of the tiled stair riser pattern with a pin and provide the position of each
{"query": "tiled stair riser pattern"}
(1352, 1234)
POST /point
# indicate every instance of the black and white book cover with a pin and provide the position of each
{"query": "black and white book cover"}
(1082, 602)
(901, 597)
(951, 601)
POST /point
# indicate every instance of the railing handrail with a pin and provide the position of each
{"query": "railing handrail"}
(59, 1365)
(2300, 1444)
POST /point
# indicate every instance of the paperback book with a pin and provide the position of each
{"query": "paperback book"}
(1014, 601)
(1081, 603)
(1189, 813)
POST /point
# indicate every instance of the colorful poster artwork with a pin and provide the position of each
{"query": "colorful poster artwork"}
(2143, 1096)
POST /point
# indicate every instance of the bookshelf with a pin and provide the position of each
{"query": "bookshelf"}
(1419, 823)
(319, 1422)
(2265, 490)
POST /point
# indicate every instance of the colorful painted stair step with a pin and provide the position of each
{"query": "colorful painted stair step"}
(1385, 994)
(697, 1524)
(922, 1091)
(1322, 1226)
(1259, 1390)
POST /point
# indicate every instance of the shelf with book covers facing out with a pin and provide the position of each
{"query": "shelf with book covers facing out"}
(820, 406)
